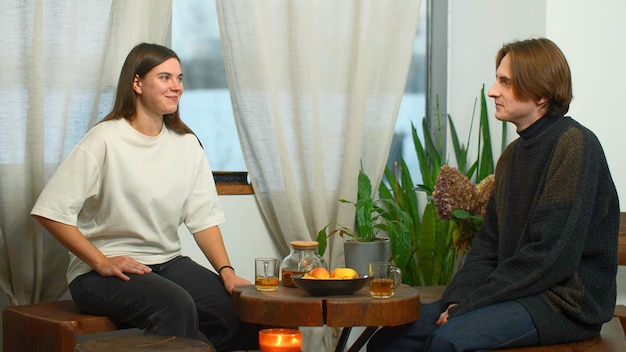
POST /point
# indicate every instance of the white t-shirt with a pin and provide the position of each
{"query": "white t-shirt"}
(128, 193)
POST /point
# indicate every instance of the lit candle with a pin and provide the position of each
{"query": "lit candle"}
(280, 340)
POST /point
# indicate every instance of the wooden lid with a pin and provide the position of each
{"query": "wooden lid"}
(304, 244)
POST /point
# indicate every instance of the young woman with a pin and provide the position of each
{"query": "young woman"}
(116, 202)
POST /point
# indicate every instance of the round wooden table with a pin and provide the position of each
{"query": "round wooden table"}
(293, 307)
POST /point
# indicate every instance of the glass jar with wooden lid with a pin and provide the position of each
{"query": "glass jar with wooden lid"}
(302, 258)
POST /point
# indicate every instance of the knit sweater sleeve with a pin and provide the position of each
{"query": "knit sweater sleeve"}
(572, 200)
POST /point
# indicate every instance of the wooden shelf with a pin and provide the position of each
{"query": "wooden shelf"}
(232, 183)
(233, 189)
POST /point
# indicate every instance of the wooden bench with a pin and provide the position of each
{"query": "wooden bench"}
(49, 327)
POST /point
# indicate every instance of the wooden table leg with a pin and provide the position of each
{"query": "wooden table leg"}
(360, 341)
(343, 339)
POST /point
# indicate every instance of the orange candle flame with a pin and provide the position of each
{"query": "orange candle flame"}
(280, 340)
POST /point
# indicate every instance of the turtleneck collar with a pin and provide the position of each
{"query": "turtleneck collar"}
(539, 126)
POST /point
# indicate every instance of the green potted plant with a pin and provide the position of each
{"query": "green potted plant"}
(432, 252)
(380, 230)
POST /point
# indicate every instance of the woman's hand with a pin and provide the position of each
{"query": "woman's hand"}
(75, 242)
(211, 243)
(118, 266)
(231, 280)
(443, 317)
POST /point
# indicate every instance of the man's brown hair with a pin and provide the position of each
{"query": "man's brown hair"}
(539, 70)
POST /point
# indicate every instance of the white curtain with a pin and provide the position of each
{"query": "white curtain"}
(61, 60)
(316, 87)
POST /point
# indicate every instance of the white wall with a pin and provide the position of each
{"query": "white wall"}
(245, 233)
(590, 33)
(477, 29)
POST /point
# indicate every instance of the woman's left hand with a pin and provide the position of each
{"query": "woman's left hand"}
(231, 280)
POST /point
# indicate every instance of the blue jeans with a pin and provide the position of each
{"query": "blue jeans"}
(502, 325)
(178, 298)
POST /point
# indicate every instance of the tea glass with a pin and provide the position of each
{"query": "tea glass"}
(266, 274)
(384, 278)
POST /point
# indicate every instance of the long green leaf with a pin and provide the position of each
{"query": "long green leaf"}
(460, 150)
(401, 200)
(426, 251)
(423, 160)
(486, 163)
(504, 136)
(434, 152)
(407, 188)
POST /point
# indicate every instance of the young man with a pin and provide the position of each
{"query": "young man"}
(542, 268)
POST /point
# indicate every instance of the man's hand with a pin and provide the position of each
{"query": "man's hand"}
(443, 317)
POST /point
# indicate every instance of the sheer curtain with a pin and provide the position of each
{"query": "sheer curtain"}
(316, 87)
(61, 60)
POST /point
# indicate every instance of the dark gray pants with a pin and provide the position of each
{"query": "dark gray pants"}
(178, 298)
(501, 325)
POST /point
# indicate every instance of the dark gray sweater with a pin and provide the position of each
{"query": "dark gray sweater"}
(550, 235)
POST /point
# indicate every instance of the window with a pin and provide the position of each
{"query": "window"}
(206, 104)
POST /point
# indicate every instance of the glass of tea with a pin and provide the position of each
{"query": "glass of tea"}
(384, 278)
(266, 274)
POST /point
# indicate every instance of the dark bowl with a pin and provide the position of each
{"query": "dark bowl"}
(329, 287)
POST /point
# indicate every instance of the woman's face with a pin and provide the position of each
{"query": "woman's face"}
(159, 91)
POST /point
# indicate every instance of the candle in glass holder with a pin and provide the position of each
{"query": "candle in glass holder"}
(280, 340)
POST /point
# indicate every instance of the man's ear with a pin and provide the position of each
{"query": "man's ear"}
(542, 103)
(137, 84)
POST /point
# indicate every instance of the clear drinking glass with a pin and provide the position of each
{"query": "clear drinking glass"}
(266, 271)
(384, 278)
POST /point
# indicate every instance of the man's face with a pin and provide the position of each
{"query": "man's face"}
(521, 113)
